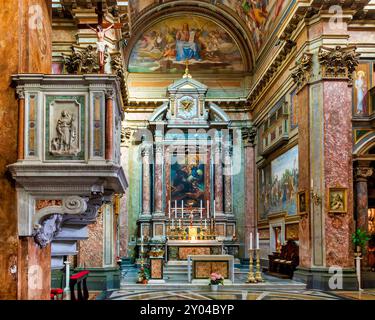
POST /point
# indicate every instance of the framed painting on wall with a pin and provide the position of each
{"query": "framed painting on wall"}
(302, 202)
(362, 84)
(337, 200)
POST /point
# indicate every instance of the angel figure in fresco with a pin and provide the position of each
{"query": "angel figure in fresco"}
(361, 88)
(101, 46)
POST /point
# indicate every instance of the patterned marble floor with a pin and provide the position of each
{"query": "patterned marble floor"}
(222, 294)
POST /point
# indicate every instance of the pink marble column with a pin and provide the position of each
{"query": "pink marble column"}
(218, 179)
(146, 180)
(338, 171)
(158, 179)
(248, 135)
(362, 173)
(227, 180)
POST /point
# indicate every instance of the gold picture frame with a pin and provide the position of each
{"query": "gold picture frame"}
(302, 202)
(338, 200)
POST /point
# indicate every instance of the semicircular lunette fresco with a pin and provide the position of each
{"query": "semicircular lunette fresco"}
(167, 45)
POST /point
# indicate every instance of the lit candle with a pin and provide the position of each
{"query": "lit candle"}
(175, 209)
(182, 207)
(312, 183)
(205, 223)
(251, 241)
(169, 211)
(214, 209)
(208, 209)
(201, 209)
(257, 240)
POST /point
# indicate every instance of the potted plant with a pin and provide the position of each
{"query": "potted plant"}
(216, 279)
(359, 238)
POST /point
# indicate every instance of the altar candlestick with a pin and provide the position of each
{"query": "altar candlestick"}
(169, 210)
(257, 240)
(312, 183)
(205, 223)
(208, 209)
(179, 223)
(251, 241)
(172, 223)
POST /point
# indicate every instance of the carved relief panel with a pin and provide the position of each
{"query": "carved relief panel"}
(65, 128)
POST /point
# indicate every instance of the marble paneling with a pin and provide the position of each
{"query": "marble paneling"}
(338, 170)
(91, 250)
(156, 268)
(184, 252)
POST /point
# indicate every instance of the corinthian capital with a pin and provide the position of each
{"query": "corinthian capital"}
(249, 135)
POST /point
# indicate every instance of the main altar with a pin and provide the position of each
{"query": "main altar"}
(186, 184)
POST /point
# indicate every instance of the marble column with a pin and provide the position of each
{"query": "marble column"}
(109, 125)
(362, 173)
(158, 183)
(248, 136)
(146, 180)
(25, 48)
(218, 179)
(228, 180)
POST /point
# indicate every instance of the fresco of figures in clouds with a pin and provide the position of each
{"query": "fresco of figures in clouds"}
(278, 185)
(166, 46)
(259, 15)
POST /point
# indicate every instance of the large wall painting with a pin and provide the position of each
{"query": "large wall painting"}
(259, 15)
(278, 185)
(187, 181)
(167, 45)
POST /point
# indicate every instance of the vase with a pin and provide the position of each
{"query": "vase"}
(214, 287)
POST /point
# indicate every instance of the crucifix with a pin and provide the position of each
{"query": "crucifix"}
(100, 29)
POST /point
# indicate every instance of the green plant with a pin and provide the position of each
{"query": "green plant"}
(359, 238)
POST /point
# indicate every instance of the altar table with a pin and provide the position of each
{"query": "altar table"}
(200, 268)
(181, 249)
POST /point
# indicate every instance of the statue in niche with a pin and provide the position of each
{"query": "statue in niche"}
(64, 143)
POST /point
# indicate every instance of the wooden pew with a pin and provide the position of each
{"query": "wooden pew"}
(287, 261)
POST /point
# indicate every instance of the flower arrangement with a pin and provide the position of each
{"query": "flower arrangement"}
(143, 275)
(216, 279)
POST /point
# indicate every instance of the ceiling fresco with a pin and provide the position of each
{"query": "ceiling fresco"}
(260, 16)
(167, 45)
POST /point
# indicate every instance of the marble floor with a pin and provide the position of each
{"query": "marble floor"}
(176, 287)
(237, 294)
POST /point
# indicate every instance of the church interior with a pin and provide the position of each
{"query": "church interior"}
(198, 149)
